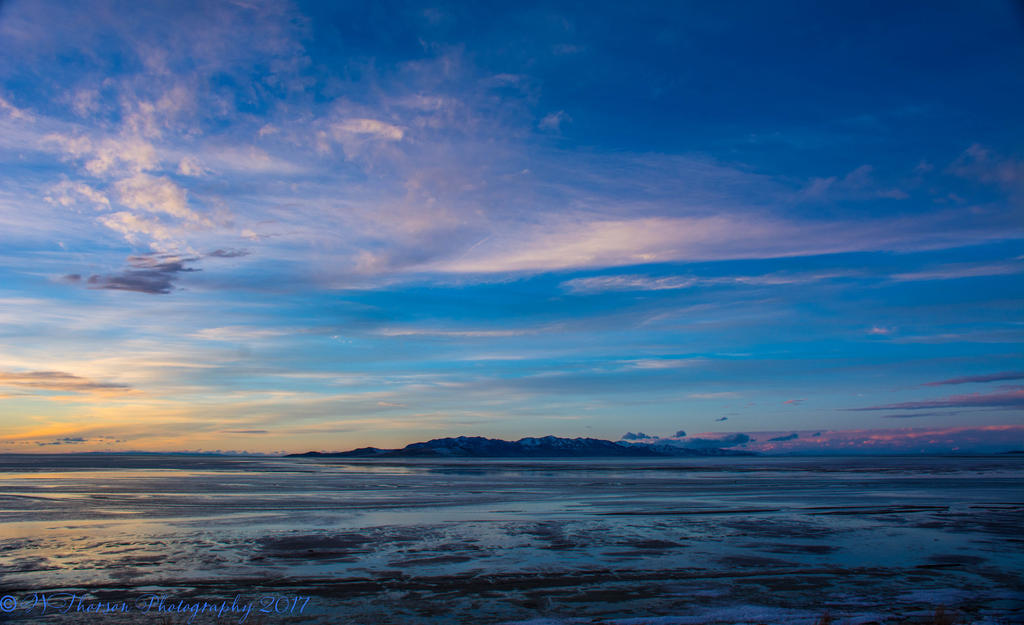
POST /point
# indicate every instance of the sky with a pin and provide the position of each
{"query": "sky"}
(278, 227)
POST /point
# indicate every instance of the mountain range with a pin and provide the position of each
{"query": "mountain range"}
(530, 447)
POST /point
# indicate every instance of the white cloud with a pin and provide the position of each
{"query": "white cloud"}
(635, 282)
(131, 226)
(578, 244)
(64, 194)
(73, 146)
(160, 214)
(85, 102)
(438, 180)
(554, 121)
(980, 163)
(367, 127)
(582, 241)
(237, 333)
(630, 282)
(157, 195)
(664, 363)
(190, 166)
(13, 111)
(248, 159)
(954, 272)
(106, 155)
(451, 333)
(367, 140)
(858, 183)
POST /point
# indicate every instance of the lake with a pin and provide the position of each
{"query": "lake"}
(206, 539)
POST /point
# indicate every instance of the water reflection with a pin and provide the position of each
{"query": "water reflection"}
(866, 529)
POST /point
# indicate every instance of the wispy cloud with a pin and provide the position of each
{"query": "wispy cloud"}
(160, 197)
(554, 121)
(13, 111)
(460, 333)
(990, 336)
(368, 128)
(238, 333)
(600, 284)
(858, 183)
(436, 198)
(983, 164)
(639, 282)
(974, 400)
(719, 395)
(969, 439)
(960, 271)
(585, 243)
(588, 243)
(973, 379)
(58, 381)
(431, 222)
(67, 193)
(663, 363)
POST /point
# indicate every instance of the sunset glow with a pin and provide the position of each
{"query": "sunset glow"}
(278, 227)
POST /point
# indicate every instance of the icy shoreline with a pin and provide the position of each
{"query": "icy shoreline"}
(690, 542)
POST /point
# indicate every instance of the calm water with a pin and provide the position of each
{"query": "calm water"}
(717, 540)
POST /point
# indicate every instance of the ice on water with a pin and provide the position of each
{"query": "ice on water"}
(707, 540)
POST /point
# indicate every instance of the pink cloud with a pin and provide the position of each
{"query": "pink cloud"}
(1013, 397)
(980, 439)
(992, 377)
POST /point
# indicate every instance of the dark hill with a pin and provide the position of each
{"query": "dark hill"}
(545, 447)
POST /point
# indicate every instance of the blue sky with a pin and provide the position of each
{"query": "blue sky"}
(272, 226)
